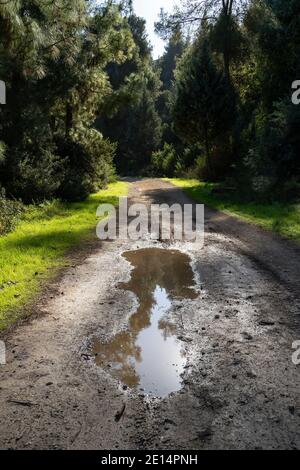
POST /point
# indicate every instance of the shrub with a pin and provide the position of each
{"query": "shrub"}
(88, 164)
(10, 213)
(40, 176)
(2, 151)
(273, 160)
(164, 161)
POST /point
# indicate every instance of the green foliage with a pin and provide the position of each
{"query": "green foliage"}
(272, 137)
(167, 65)
(32, 253)
(280, 217)
(38, 175)
(88, 164)
(168, 62)
(53, 58)
(273, 160)
(165, 162)
(204, 106)
(132, 119)
(84, 95)
(232, 107)
(10, 213)
(2, 152)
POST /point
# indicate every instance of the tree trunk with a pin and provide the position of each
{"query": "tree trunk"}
(227, 12)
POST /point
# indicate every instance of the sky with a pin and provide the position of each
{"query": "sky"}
(149, 9)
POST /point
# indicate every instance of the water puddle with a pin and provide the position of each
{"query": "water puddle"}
(149, 355)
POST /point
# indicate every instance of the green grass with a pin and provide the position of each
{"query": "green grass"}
(281, 218)
(30, 254)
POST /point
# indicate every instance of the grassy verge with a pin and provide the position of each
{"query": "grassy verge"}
(283, 219)
(40, 243)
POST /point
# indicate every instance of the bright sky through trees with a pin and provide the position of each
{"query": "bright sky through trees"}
(149, 9)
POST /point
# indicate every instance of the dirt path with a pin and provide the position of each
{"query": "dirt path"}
(240, 388)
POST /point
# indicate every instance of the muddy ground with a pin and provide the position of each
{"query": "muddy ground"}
(240, 388)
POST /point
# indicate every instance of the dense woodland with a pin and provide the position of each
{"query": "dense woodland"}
(86, 101)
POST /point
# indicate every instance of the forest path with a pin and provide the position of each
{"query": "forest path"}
(240, 388)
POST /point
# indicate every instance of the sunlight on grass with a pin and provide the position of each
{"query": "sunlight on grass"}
(283, 219)
(40, 242)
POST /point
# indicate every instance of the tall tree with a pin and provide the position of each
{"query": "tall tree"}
(203, 110)
(132, 119)
(53, 58)
(222, 14)
(167, 65)
(273, 143)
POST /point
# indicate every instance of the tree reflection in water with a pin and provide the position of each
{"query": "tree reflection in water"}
(149, 355)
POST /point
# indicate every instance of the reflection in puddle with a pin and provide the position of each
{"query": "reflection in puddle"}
(148, 355)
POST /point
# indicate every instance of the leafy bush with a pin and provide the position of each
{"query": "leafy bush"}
(88, 164)
(164, 161)
(39, 176)
(2, 151)
(273, 161)
(31, 169)
(10, 213)
(58, 84)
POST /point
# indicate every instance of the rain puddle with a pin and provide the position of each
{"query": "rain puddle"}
(148, 355)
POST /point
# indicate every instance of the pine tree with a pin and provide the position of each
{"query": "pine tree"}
(203, 109)
(132, 119)
(53, 57)
(167, 65)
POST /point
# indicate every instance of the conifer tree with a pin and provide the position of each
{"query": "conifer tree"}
(203, 109)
